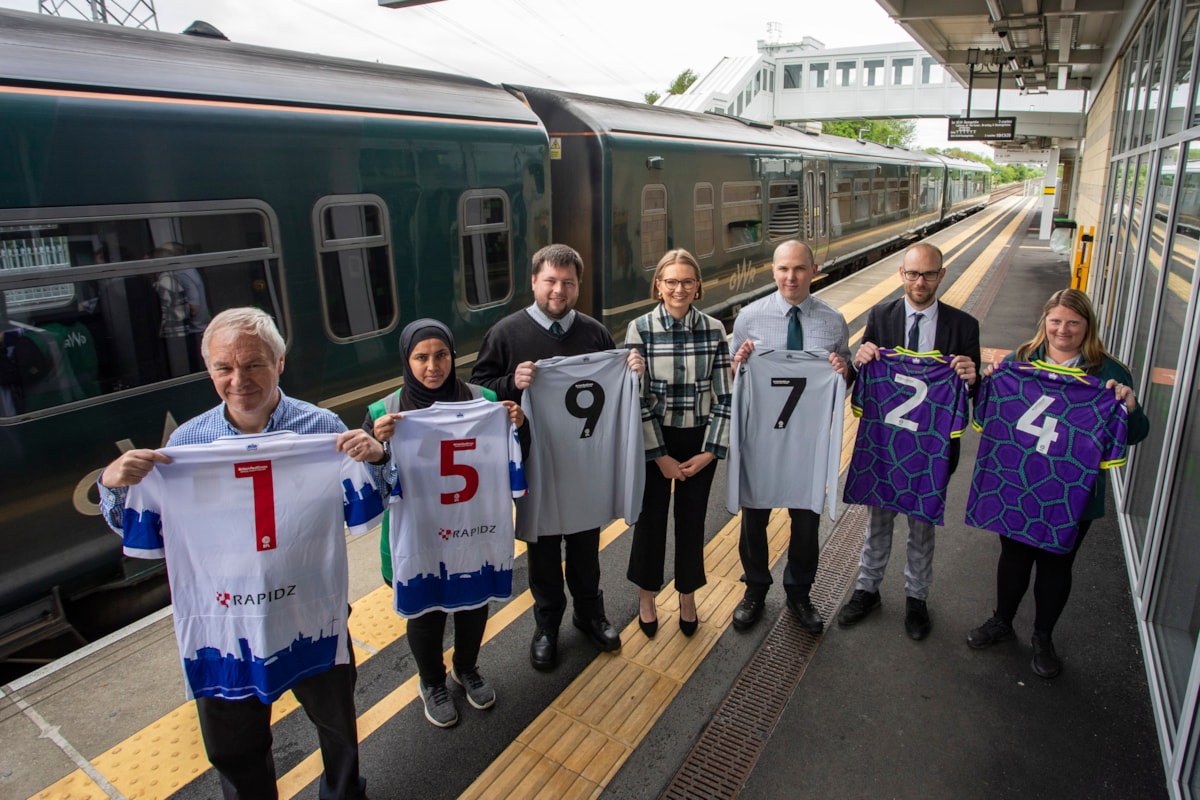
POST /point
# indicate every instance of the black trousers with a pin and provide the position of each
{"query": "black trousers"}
(1051, 586)
(425, 635)
(803, 552)
(649, 547)
(545, 559)
(237, 738)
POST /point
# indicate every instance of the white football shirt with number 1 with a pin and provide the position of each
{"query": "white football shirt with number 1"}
(253, 531)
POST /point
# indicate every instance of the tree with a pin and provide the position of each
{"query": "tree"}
(884, 131)
(682, 81)
(651, 97)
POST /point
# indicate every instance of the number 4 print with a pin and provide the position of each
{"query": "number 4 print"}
(259, 473)
(452, 469)
(1046, 433)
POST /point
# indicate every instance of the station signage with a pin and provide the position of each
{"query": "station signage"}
(1025, 156)
(975, 129)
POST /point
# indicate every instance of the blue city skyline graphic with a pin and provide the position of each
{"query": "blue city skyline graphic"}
(449, 592)
(212, 673)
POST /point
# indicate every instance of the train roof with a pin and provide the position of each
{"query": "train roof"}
(37, 50)
(621, 116)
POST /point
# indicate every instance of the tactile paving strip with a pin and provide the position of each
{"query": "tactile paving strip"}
(731, 744)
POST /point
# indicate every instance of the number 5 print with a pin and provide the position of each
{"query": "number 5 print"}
(451, 469)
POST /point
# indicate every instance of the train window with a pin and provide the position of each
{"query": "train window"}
(103, 300)
(783, 211)
(792, 76)
(842, 207)
(822, 204)
(878, 192)
(354, 253)
(809, 185)
(702, 219)
(741, 213)
(862, 199)
(485, 229)
(654, 224)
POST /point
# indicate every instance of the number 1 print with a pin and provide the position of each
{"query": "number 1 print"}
(259, 473)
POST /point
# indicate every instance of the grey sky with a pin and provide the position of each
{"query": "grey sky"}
(621, 48)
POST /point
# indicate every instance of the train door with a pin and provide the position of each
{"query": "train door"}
(816, 205)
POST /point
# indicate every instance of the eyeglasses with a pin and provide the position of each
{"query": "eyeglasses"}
(930, 277)
(687, 283)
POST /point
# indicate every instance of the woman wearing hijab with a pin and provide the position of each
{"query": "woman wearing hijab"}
(428, 349)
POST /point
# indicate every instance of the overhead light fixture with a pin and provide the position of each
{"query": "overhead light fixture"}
(1064, 72)
(1020, 82)
(1005, 41)
(1013, 65)
(995, 10)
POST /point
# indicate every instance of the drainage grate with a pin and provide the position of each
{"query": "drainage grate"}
(721, 761)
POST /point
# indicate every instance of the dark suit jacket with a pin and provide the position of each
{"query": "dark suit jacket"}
(957, 334)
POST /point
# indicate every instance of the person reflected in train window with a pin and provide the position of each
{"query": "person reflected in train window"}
(185, 314)
(427, 347)
(919, 322)
(552, 327)
(1066, 337)
(685, 422)
(790, 318)
(244, 353)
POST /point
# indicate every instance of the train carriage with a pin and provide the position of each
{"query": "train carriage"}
(149, 181)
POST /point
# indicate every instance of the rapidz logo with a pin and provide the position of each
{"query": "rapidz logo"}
(223, 598)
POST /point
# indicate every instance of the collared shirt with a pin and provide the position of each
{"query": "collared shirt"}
(765, 322)
(687, 381)
(290, 415)
(545, 321)
(928, 330)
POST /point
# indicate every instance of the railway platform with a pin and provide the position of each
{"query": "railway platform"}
(772, 712)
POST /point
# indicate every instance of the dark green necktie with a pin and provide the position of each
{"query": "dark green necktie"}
(795, 340)
(556, 329)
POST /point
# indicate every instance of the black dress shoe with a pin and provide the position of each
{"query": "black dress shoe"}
(603, 635)
(1046, 662)
(649, 628)
(916, 619)
(748, 612)
(543, 650)
(807, 616)
(688, 626)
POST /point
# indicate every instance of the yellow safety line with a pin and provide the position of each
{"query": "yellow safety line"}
(175, 739)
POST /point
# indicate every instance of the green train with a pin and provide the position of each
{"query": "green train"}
(148, 181)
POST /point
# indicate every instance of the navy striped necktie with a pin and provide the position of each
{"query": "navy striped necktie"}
(914, 333)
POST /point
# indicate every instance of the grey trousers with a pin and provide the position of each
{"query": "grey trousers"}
(877, 549)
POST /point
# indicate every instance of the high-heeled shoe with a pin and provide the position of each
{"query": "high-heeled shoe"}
(688, 626)
(649, 628)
